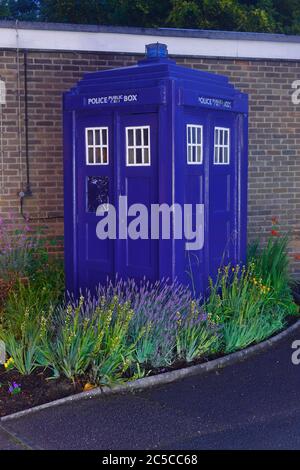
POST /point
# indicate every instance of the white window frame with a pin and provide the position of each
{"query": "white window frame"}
(135, 147)
(218, 145)
(93, 146)
(196, 145)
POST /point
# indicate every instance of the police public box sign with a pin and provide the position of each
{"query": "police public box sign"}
(215, 102)
(112, 99)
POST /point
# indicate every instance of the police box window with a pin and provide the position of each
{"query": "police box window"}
(96, 139)
(222, 146)
(138, 146)
(194, 144)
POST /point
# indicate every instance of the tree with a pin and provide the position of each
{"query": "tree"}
(4, 10)
(287, 14)
(72, 11)
(23, 10)
(223, 15)
(146, 13)
(235, 15)
(185, 14)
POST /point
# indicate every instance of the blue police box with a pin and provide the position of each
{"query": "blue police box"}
(159, 134)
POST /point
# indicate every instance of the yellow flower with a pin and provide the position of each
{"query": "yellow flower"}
(9, 363)
(88, 386)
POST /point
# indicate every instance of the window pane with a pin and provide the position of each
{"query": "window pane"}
(104, 136)
(91, 155)
(194, 137)
(97, 192)
(130, 137)
(104, 155)
(146, 136)
(226, 159)
(138, 137)
(130, 156)
(139, 156)
(198, 135)
(97, 136)
(198, 154)
(138, 142)
(97, 139)
(90, 137)
(97, 155)
(216, 155)
(222, 146)
(216, 137)
(225, 137)
(189, 153)
(221, 137)
(221, 154)
(146, 156)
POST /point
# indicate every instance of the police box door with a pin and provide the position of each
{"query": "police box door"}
(137, 256)
(95, 171)
(223, 183)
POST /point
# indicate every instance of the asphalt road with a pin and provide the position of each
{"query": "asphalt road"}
(251, 405)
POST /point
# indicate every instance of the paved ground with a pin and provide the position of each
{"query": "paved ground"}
(251, 405)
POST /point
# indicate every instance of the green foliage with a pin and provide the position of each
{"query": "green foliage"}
(130, 328)
(73, 11)
(245, 307)
(68, 348)
(24, 347)
(4, 9)
(238, 335)
(23, 10)
(155, 306)
(196, 335)
(272, 263)
(23, 316)
(236, 15)
(34, 296)
(23, 251)
(113, 354)
(253, 302)
(98, 345)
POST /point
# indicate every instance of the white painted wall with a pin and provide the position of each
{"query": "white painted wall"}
(135, 43)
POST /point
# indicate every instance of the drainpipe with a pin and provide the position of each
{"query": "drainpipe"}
(27, 191)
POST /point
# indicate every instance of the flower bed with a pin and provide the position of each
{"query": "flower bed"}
(129, 330)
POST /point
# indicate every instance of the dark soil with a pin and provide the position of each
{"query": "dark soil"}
(36, 389)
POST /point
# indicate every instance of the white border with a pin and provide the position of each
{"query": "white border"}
(101, 146)
(135, 43)
(196, 126)
(142, 146)
(223, 146)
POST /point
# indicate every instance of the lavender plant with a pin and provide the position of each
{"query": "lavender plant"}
(155, 307)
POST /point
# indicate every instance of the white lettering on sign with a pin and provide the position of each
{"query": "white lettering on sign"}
(112, 99)
(215, 102)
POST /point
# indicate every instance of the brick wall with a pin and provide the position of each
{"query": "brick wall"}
(274, 134)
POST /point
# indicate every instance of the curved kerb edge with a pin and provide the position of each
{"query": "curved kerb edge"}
(164, 378)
